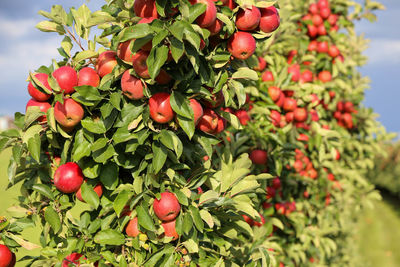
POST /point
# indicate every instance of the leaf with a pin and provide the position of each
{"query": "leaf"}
(191, 246)
(48, 26)
(209, 195)
(187, 125)
(171, 141)
(89, 195)
(121, 200)
(34, 144)
(85, 55)
(198, 222)
(206, 216)
(135, 32)
(44, 190)
(97, 126)
(109, 237)
(52, 217)
(156, 59)
(159, 156)
(145, 219)
(23, 243)
(181, 105)
(109, 175)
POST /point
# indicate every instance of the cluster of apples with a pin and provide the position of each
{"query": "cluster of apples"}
(166, 209)
(303, 165)
(320, 19)
(7, 257)
(343, 114)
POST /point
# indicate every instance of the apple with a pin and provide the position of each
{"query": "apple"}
(145, 8)
(347, 120)
(313, 9)
(340, 106)
(262, 64)
(216, 27)
(274, 92)
(221, 125)
(333, 51)
(163, 78)
(267, 76)
(348, 107)
(332, 94)
(197, 110)
(306, 76)
(68, 114)
(295, 71)
(325, 12)
(312, 31)
(88, 76)
(276, 183)
(72, 260)
(335, 28)
(7, 258)
(289, 117)
(160, 108)
(275, 118)
(323, 4)
(68, 178)
(170, 230)
(98, 189)
(131, 86)
(332, 19)
(216, 99)
(270, 19)
(106, 62)
(271, 192)
(242, 45)
(124, 52)
(248, 19)
(208, 123)
(317, 20)
(266, 205)
(229, 3)
(289, 104)
(314, 115)
(167, 207)
(322, 29)
(140, 65)
(67, 79)
(323, 47)
(248, 219)
(132, 228)
(43, 106)
(36, 93)
(313, 45)
(325, 76)
(300, 114)
(206, 19)
(261, 223)
(243, 116)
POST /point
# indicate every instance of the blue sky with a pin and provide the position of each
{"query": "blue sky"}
(24, 48)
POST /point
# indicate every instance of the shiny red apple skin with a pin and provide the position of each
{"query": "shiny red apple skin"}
(167, 207)
(259, 156)
(43, 106)
(68, 178)
(216, 27)
(170, 230)
(325, 76)
(208, 123)
(242, 45)
(131, 86)
(67, 79)
(36, 93)
(68, 114)
(140, 65)
(163, 78)
(262, 64)
(160, 108)
(106, 63)
(267, 76)
(270, 19)
(7, 258)
(300, 114)
(145, 8)
(124, 52)
(248, 19)
(132, 228)
(289, 104)
(197, 110)
(72, 259)
(206, 19)
(243, 116)
(88, 76)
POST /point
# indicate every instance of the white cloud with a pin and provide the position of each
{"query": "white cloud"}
(384, 51)
(16, 28)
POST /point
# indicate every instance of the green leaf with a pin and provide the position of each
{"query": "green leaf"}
(187, 125)
(206, 216)
(135, 32)
(181, 105)
(121, 200)
(89, 195)
(177, 49)
(48, 26)
(52, 217)
(109, 175)
(145, 219)
(97, 126)
(171, 141)
(44, 190)
(198, 222)
(85, 55)
(159, 156)
(196, 10)
(34, 147)
(109, 237)
(191, 246)
(156, 59)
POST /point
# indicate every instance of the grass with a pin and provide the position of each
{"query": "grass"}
(378, 234)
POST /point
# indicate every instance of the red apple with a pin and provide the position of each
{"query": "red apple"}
(67, 79)
(322, 29)
(167, 207)
(325, 12)
(275, 118)
(325, 76)
(276, 183)
(242, 45)
(243, 116)
(145, 8)
(261, 223)
(274, 93)
(262, 64)
(306, 76)
(323, 47)
(68, 178)
(72, 260)
(289, 104)
(295, 71)
(313, 9)
(170, 230)
(163, 77)
(267, 76)
(132, 228)
(132, 87)
(7, 258)
(209, 16)
(270, 20)
(300, 114)
(140, 65)
(197, 110)
(68, 114)
(312, 31)
(160, 108)
(323, 4)
(216, 27)
(248, 19)
(333, 51)
(88, 76)
(259, 156)
(313, 45)
(98, 189)
(229, 3)
(106, 63)
(221, 125)
(36, 93)
(332, 19)
(124, 52)
(43, 106)
(208, 123)
(271, 192)
(317, 20)
(289, 117)
(349, 107)
(216, 99)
